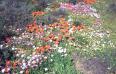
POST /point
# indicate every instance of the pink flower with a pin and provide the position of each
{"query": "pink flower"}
(67, 6)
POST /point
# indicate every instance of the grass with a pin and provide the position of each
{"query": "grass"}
(59, 65)
(109, 18)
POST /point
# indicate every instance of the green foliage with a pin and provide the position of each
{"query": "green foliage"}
(73, 1)
(42, 4)
(59, 65)
(47, 19)
(6, 54)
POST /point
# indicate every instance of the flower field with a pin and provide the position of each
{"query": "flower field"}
(56, 37)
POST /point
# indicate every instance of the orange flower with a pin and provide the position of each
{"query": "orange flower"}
(29, 28)
(27, 71)
(63, 23)
(80, 27)
(51, 36)
(47, 47)
(89, 1)
(61, 19)
(59, 37)
(34, 1)
(36, 30)
(71, 38)
(33, 27)
(37, 13)
(45, 39)
(40, 49)
(54, 39)
(64, 30)
(40, 29)
(15, 64)
(74, 28)
(66, 35)
(52, 25)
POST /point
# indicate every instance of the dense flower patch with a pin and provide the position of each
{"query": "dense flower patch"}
(81, 8)
(48, 35)
(43, 44)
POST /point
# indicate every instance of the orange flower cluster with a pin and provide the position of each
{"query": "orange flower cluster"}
(57, 41)
(64, 26)
(79, 27)
(52, 37)
(37, 13)
(43, 49)
(63, 23)
(34, 28)
(53, 25)
(89, 1)
(60, 24)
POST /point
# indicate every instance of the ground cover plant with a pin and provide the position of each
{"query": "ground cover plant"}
(59, 37)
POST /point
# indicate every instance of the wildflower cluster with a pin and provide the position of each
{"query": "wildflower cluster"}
(80, 8)
(38, 40)
(39, 44)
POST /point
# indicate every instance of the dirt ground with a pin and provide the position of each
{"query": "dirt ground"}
(90, 66)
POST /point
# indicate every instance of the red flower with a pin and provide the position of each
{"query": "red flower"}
(8, 62)
(57, 42)
(7, 39)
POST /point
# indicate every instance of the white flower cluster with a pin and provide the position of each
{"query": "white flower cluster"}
(34, 61)
(61, 50)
